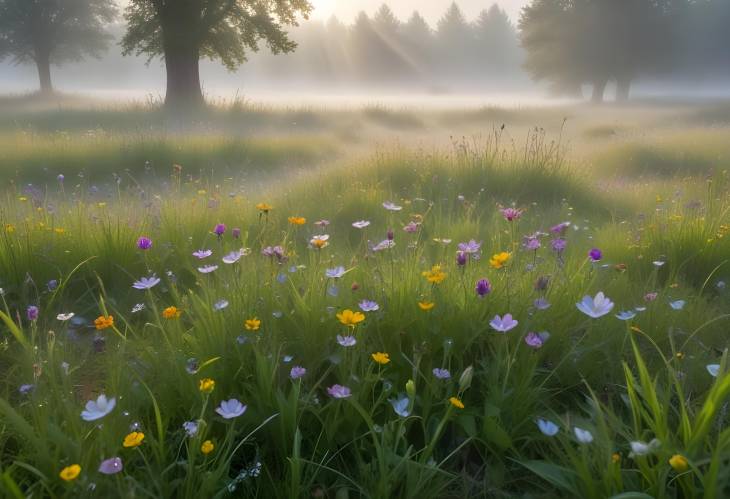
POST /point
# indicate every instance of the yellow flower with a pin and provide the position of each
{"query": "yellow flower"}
(679, 355)
(23, 198)
(206, 385)
(435, 275)
(70, 472)
(264, 207)
(499, 260)
(201, 192)
(59, 230)
(9, 228)
(252, 324)
(456, 402)
(381, 358)
(134, 439)
(297, 220)
(350, 318)
(171, 313)
(207, 447)
(103, 322)
(678, 463)
(615, 457)
(426, 305)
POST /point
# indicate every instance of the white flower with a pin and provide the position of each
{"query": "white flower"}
(97, 409)
(230, 409)
(595, 307)
(65, 317)
(207, 269)
(220, 304)
(547, 427)
(678, 305)
(583, 436)
(639, 448)
(361, 224)
(713, 369)
(233, 256)
(390, 206)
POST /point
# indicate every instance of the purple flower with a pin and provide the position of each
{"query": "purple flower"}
(411, 227)
(368, 306)
(32, 313)
(534, 340)
(60, 178)
(595, 255)
(461, 258)
(26, 389)
(230, 409)
(191, 428)
(595, 307)
(297, 372)
(335, 273)
(531, 243)
(275, 251)
(236, 233)
(361, 224)
(511, 214)
(470, 248)
(390, 235)
(232, 257)
(146, 283)
(541, 304)
(144, 243)
(111, 466)
(558, 245)
(346, 341)
(542, 283)
(207, 269)
(219, 230)
(503, 324)
(220, 305)
(339, 391)
(560, 228)
(440, 373)
(483, 287)
(52, 285)
(390, 206)
(200, 254)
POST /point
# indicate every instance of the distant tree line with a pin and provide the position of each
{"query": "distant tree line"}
(572, 43)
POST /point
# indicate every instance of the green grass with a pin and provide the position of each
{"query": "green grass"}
(624, 381)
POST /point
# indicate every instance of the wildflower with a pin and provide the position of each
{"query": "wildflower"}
(541, 304)
(97, 409)
(534, 340)
(461, 258)
(390, 206)
(615, 458)
(361, 224)
(339, 391)
(297, 220)
(52, 285)
(206, 385)
(483, 287)
(381, 358)
(658, 263)
(320, 241)
(679, 355)
(383, 245)
(401, 406)
(626, 315)
(207, 447)
(220, 305)
(144, 243)
(499, 260)
(275, 251)
(335, 273)
(207, 269)
(583, 436)
(678, 463)
(595, 255)
(70, 473)
(219, 230)
(111, 466)
(346, 341)
(232, 257)
(440, 373)
(503, 324)
(191, 428)
(411, 227)
(264, 207)
(560, 228)
(322, 223)
(138, 308)
(146, 283)
(547, 427)
(511, 214)
(639, 448)
(200, 254)
(426, 305)
(171, 312)
(230, 409)
(456, 402)
(650, 297)
(252, 324)
(133, 439)
(531, 243)
(713, 369)
(558, 245)
(678, 305)
(104, 322)
(297, 372)
(595, 307)
(32, 313)
(236, 232)
(466, 378)
(435, 275)
(471, 248)
(60, 177)
(368, 306)
(26, 389)
(349, 318)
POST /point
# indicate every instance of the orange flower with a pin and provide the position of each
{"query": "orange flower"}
(104, 321)
(297, 220)
(171, 313)
(426, 305)
(264, 207)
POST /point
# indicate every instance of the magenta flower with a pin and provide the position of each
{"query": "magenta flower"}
(531, 243)
(503, 324)
(560, 228)
(483, 287)
(339, 391)
(111, 466)
(219, 230)
(595, 255)
(511, 214)
(144, 243)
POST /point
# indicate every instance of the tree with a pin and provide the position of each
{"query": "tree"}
(496, 39)
(53, 31)
(417, 40)
(184, 31)
(454, 40)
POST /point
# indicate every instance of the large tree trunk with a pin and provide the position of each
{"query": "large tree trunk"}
(183, 78)
(623, 87)
(43, 62)
(599, 88)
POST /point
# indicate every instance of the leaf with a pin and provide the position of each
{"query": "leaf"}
(14, 330)
(559, 476)
(632, 495)
(495, 434)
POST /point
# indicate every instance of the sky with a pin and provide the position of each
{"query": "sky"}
(432, 10)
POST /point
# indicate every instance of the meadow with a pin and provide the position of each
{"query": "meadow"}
(365, 302)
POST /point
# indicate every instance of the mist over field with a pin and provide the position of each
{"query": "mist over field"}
(418, 249)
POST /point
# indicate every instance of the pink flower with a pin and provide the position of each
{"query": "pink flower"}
(511, 214)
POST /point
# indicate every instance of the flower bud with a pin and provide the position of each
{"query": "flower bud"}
(465, 379)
